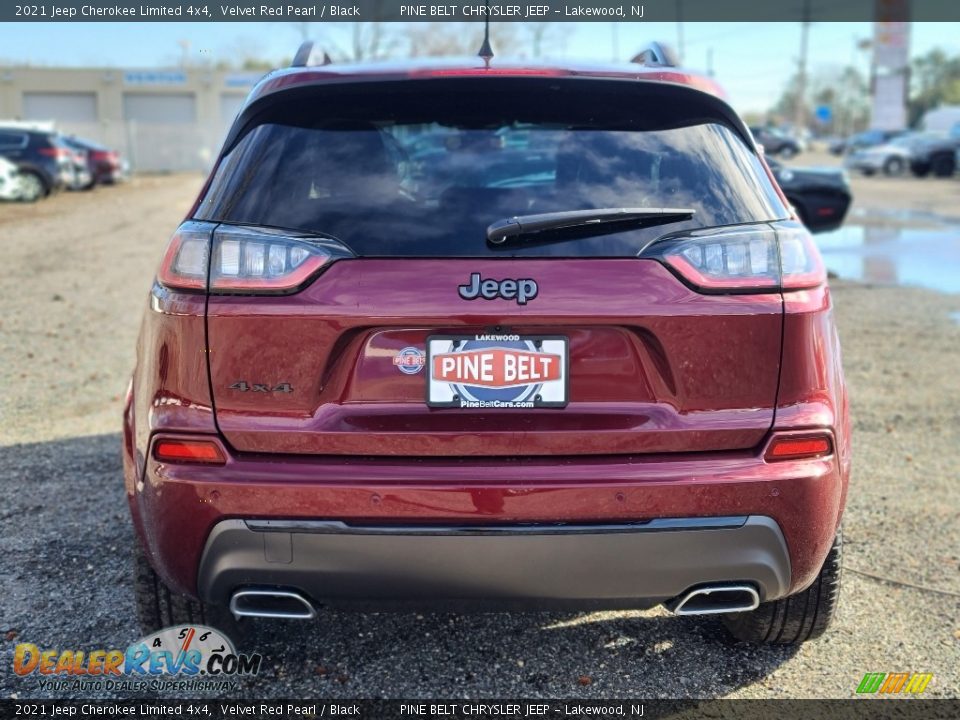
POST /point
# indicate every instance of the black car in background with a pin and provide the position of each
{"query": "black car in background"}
(821, 196)
(936, 153)
(776, 142)
(46, 164)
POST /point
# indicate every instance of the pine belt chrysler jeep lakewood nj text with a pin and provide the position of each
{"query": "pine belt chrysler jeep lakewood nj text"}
(488, 335)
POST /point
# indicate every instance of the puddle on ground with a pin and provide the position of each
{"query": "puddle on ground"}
(916, 219)
(895, 255)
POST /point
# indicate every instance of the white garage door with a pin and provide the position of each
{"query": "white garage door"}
(60, 107)
(163, 132)
(72, 113)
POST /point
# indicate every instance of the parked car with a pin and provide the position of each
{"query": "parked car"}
(105, 165)
(10, 185)
(935, 153)
(776, 142)
(46, 165)
(862, 140)
(802, 135)
(890, 158)
(821, 196)
(82, 178)
(610, 382)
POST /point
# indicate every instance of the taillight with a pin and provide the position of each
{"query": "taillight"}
(788, 447)
(184, 265)
(745, 259)
(800, 262)
(251, 260)
(244, 260)
(55, 152)
(189, 451)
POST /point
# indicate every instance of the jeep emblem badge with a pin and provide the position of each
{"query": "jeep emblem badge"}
(522, 290)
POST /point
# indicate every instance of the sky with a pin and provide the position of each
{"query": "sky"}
(751, 60)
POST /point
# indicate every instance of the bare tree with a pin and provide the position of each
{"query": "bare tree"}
(436, 39)
(504, 39)
(464, 38)
(546, 35)
(245, 53)
(373, 41)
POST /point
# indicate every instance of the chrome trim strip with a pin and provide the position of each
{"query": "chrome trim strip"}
(338, 527)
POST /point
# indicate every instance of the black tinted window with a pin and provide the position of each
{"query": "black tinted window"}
(12, 140)
(389, 185)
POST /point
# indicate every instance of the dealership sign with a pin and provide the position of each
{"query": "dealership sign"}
(154, 77)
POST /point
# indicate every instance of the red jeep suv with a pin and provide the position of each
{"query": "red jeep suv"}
(480, 334)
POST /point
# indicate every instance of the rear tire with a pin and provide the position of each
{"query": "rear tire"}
(795, 619)
(160, 607)
(32, 187)
(788, 152)
(893, 166)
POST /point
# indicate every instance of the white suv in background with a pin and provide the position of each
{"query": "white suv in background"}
(10, 185)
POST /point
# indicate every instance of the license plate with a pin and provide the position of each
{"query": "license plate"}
(497, 371)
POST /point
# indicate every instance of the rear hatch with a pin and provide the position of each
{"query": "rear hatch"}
(409, 331)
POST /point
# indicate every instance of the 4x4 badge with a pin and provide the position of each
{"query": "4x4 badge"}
(523, 290)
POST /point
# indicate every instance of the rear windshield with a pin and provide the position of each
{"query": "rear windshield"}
(425, 173)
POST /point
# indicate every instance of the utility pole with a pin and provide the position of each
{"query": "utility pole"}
(800, 118)
(184, 52)
(709, 62)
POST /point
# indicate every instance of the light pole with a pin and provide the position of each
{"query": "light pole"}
(184, 52)
(800, 118)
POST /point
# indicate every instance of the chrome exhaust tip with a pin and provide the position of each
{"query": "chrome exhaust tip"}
(716, 599)
(283, 604)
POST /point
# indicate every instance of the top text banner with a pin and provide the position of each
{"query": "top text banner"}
(496, 11)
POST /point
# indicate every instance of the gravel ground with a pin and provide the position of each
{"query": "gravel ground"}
(81, 268)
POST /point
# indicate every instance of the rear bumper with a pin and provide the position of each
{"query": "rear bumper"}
(201, 524)
(547, 566)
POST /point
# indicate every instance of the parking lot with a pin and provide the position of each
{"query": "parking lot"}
(78, 270)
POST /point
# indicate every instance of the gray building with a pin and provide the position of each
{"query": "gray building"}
(162, 120)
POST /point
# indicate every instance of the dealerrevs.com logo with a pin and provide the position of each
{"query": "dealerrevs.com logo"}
(184, 657)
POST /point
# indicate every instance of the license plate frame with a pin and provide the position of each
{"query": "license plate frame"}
(549, 393)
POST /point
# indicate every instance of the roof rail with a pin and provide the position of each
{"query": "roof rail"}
(35, 125)
(307, 56)
(657, 54)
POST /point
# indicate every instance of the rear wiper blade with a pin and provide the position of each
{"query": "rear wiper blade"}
(518, 226)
